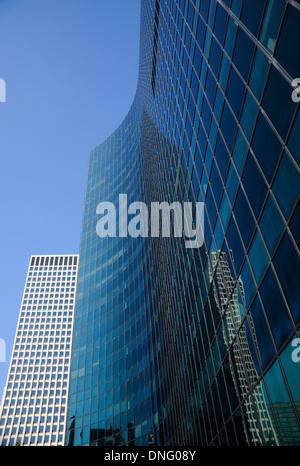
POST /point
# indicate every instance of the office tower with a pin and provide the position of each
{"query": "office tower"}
(34, 402)
(197, 346)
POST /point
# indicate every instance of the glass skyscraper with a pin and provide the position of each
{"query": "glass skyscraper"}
(199, 346)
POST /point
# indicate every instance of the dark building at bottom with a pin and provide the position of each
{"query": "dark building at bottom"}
(197, 346)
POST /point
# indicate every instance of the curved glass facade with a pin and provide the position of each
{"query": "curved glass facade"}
(177, 346)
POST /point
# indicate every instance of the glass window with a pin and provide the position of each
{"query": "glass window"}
(252, 14)
(244, 218)
(204, 8)
(210, 87)
(224, 72)
(287, 53)
(228, 127)
(259, 73)
(278, 392)
(249, 115)
(235, 244)
(275, 309)
(216, 182)
(262, 337)
(254, 185)
(230, 36)
(240, 152)
(287, 265)
(286, 185)
(248, 283)
(243, 53)
(212, 11)
(215, 57)
(201, 32)
(222, 157)
(232, 183)
(271, 225)
(236, 7)
(206, 115)
(207, 43)
(225, 211)
(210, 204)
(220, 23)
(272, 19)
(235, 92)
(278, 103)
(258, 257)
(290, 361)
(266, 147)
(294, 225)
(294, 139)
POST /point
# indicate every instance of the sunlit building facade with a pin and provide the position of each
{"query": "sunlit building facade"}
(177, 346)
(34, 402)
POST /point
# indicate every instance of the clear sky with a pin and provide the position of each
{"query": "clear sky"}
(71, 69)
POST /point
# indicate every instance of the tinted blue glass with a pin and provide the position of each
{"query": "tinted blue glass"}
(252, 13)
(262, 334)
(225, 211)
(204, 8)
(291, 375)
(287, 266)
(224, 71)
(271, 225)
(200, 33)
(243, 53)
(217, 183)
(287, 185)
(266, 147)
(276, 386)
(220, 23)
(294, 139)
(230, 36)
(215, 57)
(275, 309)
(248, 283)
(271, 23)
(254, 185)
(235, 244)
(212, 12)
(259, 73)
(240, 152)
(235, 92)
(222, 157)
(228, 126)
(210, 87)
(232, 183)
(249, 115)
(244, 218)
(286, 53)
(155, 320)
(280, 110)
(294, 225)
(258, 257)
(236, 7)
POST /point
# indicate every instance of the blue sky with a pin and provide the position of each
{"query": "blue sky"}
(71, 69)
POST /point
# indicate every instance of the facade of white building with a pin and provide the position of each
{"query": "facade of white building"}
(34, 401)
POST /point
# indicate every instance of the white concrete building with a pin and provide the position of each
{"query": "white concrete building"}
(34, 402)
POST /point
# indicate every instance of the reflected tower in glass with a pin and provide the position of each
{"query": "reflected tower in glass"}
(177, 346)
